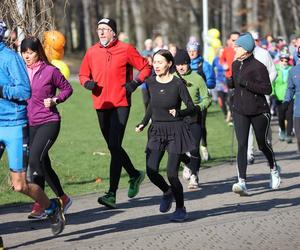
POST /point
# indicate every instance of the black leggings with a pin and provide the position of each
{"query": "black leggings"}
(203, 127)
(223, 96)
(260, 125)
(194, 161)
(41, 139)
(112, 124)
(285, 114)
(153, 159)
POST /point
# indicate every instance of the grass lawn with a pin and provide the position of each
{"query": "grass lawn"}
(81, 158)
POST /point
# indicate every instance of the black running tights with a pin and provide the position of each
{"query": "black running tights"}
(112, 124)
(153, 159)
(260, 125)
(41, 139)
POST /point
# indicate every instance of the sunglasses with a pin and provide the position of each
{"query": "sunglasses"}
(284, 60)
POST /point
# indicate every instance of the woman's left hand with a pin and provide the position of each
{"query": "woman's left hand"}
(172, 112)
(50, 102)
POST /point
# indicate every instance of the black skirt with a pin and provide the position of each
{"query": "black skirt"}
(173, 137)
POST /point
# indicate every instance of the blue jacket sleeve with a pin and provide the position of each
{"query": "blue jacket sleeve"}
(19, 86)
(210, 75)
(290, 92)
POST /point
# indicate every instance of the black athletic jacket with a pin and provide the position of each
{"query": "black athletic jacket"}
(251, 82)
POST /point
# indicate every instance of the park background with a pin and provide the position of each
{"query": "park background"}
(80, 155)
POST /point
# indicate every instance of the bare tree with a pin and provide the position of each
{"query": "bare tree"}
(295, 14)
(236, 22)
(280, 18)
(125, 11)
(87, 23)
(252, 15)
(136, 8)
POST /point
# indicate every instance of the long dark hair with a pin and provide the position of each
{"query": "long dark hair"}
(34, 44)
(169, 57)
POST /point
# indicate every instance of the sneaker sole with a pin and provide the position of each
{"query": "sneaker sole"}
(106, 204)
(36, 217)
(179, 220)
(193, 187)
(276, 187)
(239, 191)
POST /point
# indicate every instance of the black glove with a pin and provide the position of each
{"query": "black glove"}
(90, 85)
(1, 92)
(131, 86)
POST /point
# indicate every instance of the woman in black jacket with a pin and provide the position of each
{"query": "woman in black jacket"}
(251, 83)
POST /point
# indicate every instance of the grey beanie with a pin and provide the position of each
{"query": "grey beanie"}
(246, 41)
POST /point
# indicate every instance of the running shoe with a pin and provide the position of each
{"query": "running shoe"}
(204, 152)
(66, 202)
(240, 188)
(282, 135)
(37, 213)
(134, 184)
(166, 201)
(194, 182)
(179, 215)
(186, 173)
(108, 200)
(56, 216)
(251, 160)
(275, 179)
(288, 139)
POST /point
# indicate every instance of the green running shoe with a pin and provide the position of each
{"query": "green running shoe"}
(108, 200)
(134, 184)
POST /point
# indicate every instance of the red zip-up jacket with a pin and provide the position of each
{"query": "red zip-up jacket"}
(228, 58)
(111, 67)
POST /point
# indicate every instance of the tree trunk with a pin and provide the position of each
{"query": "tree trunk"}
(94, 18)
(280, 18)
(295, 14)
(236, 22)
(119, 14)
(252, 17)
(196, 26)
(68, 29)
(225, 26)
(138, 23)
(126, 23)
(86, 22)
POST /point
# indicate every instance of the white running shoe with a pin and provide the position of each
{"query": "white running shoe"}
(194, 182)
(240, 188)
(186, 173)
(204, 152)
(275, 179)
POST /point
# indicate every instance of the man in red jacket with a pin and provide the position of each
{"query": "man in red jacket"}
(107, 70)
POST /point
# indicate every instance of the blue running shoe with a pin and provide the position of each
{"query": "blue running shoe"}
(166, 201)
(179, 215)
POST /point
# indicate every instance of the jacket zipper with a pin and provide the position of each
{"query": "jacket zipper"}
(240, 69)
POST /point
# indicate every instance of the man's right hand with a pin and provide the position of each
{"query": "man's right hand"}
(90, 85)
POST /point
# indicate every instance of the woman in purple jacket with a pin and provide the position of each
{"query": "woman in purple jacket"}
(44, 118)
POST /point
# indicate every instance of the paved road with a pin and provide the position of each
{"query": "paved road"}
(218, 219)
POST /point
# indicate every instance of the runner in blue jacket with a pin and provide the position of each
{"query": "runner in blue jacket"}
(14, 91)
